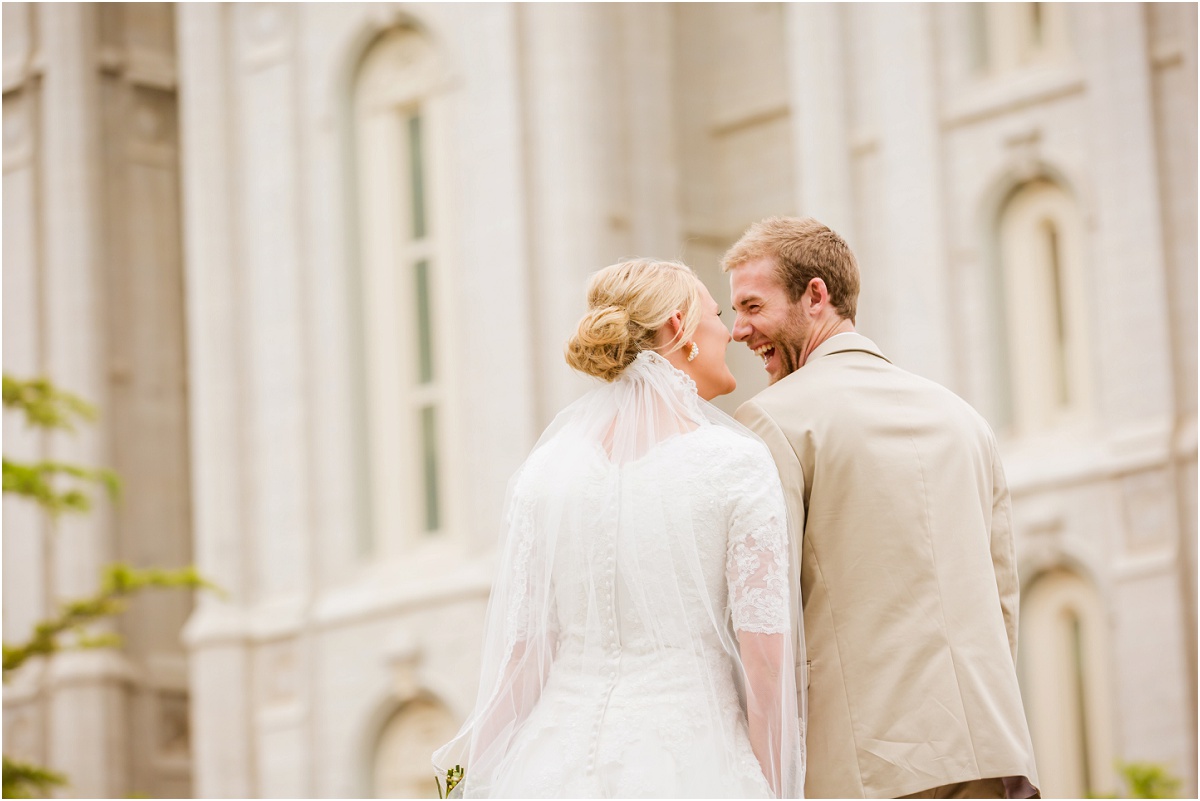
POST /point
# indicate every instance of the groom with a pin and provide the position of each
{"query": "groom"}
(900, 514)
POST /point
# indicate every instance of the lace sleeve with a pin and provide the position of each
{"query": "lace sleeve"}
(530, 611)
(757, 562)
(520, 526)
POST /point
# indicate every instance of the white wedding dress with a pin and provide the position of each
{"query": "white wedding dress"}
(646, 543)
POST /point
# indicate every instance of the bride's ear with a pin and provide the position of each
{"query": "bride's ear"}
(673, 328)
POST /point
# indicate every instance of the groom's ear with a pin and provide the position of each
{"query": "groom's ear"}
(818, 294)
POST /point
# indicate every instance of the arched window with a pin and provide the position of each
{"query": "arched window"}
(1064, 678)
(400, 286)
(1041, 265)
(401, 765)
(1007, 37)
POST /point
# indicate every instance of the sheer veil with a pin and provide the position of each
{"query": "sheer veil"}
(577, 587)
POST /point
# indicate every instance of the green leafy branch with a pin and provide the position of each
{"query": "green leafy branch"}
(36, 481)
(22, 779)
(73, 617)
(45, 405)
(1145, 780)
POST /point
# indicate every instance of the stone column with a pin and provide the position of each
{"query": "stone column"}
(27, 570)
(1133, 378)
(266, 162)
(249, 53)
(479, 181)
(87, 702)
(566, 70)
(912, 315)
(146, 409)
(1127, 244)
(1173, 55)
(648, 159)
(217, 634)
(819, 94)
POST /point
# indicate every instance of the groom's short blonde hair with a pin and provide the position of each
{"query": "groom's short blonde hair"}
(802, 249)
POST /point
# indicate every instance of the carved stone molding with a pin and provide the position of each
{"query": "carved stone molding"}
(278, 674)
(151, 127)
(996, 101)
(92, 666)
(399, 764)
(265, 33)
(1041, 545)
(404, 655)
(400, 67)
(167, 671)
(139, 67)
(22, 731)
(25, 684)
(173, 725)
(19, 45)
(1024, 153)
(1147, 501)
(384, 16)
(18, 125)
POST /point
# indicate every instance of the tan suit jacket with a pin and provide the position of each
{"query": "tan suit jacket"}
(907, 573)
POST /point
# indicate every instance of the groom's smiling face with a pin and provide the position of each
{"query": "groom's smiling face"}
(770, 324)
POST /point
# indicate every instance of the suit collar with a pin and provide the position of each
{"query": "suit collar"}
(841, 343)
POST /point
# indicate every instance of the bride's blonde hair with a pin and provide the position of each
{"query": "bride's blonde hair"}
(628, 303)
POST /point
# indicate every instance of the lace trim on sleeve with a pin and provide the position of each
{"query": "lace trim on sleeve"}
(757, 563)
(758, 587)
(517, 622)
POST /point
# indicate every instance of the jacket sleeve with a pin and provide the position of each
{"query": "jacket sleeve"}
(1004, 560)
(791, 473)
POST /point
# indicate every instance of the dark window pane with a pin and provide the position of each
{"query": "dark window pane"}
(1085, 745)
(977, 35)
(429, 456)
(1053, 256)
(416, 171)
(424, 324)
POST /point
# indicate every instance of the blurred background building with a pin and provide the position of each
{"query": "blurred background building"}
(317, 263)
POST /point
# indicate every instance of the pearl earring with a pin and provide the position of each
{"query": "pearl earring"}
(695, 351)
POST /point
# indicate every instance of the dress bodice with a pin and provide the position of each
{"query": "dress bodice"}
(635, 565)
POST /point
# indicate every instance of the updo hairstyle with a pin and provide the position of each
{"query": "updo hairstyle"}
(628, 303)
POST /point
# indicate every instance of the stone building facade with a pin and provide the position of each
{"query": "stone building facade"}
(316, 264)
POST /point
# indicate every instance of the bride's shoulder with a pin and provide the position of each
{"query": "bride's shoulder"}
(557, 461)
(738, 449)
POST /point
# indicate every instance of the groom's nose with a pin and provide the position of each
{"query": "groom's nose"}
(741, 329)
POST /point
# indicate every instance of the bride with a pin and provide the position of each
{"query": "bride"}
(641, 637)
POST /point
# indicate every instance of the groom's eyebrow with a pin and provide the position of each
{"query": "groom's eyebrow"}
(744, 300)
